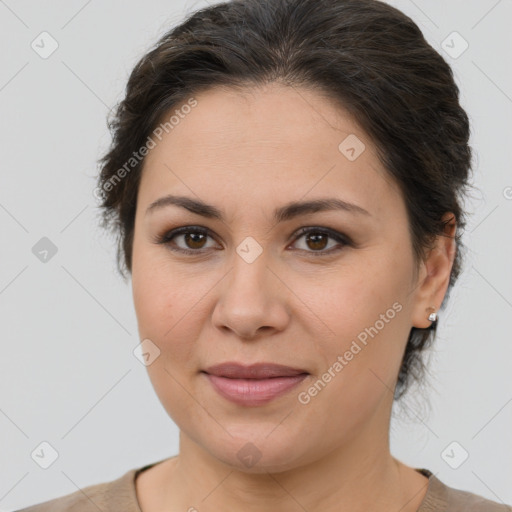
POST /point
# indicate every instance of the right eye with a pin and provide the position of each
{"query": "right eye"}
(193, 238)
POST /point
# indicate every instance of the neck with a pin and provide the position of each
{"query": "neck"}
(357, 476)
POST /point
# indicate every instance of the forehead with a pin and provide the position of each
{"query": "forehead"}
(274, 113)
(278, 139)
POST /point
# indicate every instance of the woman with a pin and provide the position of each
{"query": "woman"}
(286, 179)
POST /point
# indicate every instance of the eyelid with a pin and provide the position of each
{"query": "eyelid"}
(321, 229)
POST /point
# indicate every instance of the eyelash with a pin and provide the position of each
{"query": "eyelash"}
(338, 237)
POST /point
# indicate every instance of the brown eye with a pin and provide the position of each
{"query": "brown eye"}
(188, 239)
(316, 241)
(194, 240)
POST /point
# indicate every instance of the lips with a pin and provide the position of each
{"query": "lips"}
(233, 370)
(253, 385)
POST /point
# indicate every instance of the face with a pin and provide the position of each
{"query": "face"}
(249, 286)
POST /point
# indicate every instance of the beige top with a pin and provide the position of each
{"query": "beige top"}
(120, 496)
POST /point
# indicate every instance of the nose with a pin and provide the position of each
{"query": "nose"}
(252, 300)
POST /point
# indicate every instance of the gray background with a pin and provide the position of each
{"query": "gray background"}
(67, 372)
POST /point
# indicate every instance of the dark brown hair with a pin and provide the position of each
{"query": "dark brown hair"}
(366, 55)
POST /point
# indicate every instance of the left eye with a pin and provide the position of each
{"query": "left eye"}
(317, 240)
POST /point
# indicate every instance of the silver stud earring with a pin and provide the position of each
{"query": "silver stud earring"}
(432, 317)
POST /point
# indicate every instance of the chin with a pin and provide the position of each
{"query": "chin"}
(259, 454)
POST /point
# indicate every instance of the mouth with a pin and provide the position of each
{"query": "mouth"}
(255, 384)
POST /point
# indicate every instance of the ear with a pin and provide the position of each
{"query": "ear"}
(434, 274)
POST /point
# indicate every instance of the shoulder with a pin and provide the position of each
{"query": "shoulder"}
(441, 497)
(114, 495)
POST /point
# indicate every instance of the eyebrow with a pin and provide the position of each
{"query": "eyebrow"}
(281, 214)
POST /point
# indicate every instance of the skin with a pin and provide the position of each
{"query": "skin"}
(248, 152)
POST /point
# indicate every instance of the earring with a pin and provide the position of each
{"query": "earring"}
(433, 316)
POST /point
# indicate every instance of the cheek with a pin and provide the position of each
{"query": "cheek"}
(361, 363)
(368, 311)
(170, 309)
(165, 315)
(160, 296)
